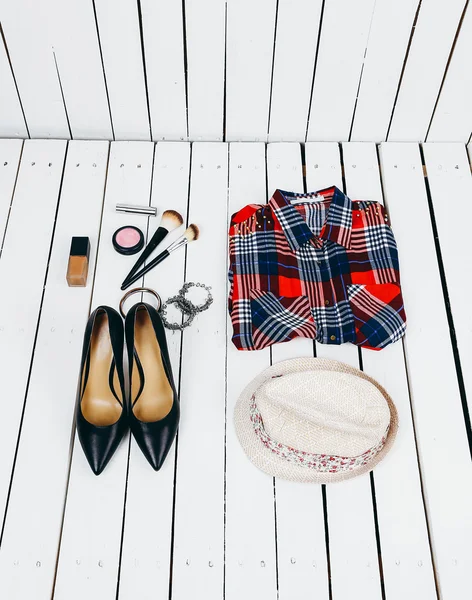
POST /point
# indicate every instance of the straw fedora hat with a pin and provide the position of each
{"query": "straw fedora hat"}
(315, 420)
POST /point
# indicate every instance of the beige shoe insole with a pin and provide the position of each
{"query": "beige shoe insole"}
(157, 396)
(99, 405)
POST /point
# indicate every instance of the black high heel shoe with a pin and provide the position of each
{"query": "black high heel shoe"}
(101, 417)
(154, 406)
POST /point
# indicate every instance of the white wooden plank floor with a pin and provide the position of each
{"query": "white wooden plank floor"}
(209, 525)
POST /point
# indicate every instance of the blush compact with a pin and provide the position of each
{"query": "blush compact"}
(128, 240)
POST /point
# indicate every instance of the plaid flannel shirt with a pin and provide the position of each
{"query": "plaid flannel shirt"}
(316, 265)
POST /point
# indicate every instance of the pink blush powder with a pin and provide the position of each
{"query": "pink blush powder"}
(127, 238)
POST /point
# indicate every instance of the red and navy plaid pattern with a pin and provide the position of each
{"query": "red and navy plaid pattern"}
(316, 265)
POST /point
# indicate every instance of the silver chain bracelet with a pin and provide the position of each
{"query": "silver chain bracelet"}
(186, 306)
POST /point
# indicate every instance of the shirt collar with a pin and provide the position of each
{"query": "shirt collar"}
(337, 227)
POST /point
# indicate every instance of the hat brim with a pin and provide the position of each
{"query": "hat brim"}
(268, 461)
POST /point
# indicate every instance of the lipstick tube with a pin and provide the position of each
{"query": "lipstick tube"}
(150, 211)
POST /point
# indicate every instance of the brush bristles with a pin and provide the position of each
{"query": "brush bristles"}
(191, 233)
(171, 219)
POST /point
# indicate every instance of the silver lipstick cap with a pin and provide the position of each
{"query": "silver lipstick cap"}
(150, 211)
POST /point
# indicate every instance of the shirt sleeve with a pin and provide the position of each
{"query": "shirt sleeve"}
(237, 305)
(376, 299)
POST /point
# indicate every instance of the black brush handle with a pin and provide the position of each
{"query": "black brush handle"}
(156, 239)
(145, 269)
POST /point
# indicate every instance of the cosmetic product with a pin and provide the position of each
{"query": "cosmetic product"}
(77, 269)
(150, 211)
(190, 234)
(128, 240)
(170, 220)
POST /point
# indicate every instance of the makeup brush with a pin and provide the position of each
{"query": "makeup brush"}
(170, 220)
(189, 235)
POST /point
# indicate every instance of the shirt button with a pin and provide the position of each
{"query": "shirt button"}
(332, 338)
(327, 302)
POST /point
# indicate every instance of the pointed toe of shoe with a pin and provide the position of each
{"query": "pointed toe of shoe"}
(97, 463)
(156, 438)
(154, 448)
(100, 443)
(153, 460)
(97, 455)
(156, 456)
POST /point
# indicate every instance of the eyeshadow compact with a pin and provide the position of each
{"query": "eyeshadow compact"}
(128, 240)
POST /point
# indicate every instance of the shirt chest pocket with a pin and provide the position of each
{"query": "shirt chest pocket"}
(279, 319)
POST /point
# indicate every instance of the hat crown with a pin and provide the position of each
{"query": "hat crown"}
(314, 412)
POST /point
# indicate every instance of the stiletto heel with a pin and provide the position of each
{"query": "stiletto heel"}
(154, 403)
(101, 415)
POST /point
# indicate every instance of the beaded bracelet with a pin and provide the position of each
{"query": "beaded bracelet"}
(186, 306)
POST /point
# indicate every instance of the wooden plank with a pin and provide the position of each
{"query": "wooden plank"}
(323, 165)
(43, 467)
(10, 154)
(91, 536)
(385, 55)
(302, 562)
(431, 369)
(338, 68)
(352, 541)
(249, 53)
(205, 38)
(12, 122)
(29, 43)
(404, 542)
(250, 559)
(450, 180)
(165, 69)
(198, 558)
(118, 28)
(79, 64)
(296, 41)
(427, 59)
(145, 563)
(30, 225)
(67, 41)
(452, 120)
